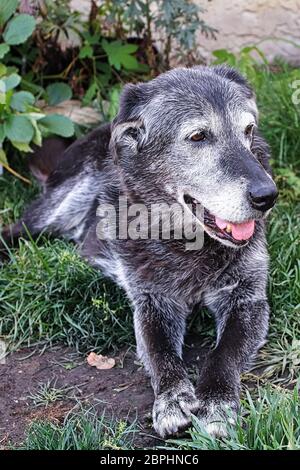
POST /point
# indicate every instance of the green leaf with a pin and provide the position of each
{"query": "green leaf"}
(35, 115)
(12, 81)
(223, 55)
(21, 100)
(90, 93)
(19, 29)
(4, 48)
(2, 133)
(37, 138)
(58, 92)
(7, 9)
(22, 146)
(120, 54)
(3, 159)
(114, 98)
(57, 124)
(32, 87)
(86, 52)
(18, 129)
(3, 70)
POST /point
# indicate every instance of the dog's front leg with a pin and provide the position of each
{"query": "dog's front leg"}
(159, 328)
(242, 324)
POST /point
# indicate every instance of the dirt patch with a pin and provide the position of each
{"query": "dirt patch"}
(123, 391)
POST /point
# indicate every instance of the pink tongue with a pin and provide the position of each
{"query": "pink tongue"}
(239, 231)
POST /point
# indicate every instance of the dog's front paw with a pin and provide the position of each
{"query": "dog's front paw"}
(173, 408)
(215, 416)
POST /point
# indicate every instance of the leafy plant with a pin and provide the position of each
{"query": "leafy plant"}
(21, 121)
(179, 22)
(175, 22)
(248, 60)
(60, 25)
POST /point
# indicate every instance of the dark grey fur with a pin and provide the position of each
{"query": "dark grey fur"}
(147, 154)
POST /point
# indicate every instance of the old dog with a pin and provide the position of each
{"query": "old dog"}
(189, 136)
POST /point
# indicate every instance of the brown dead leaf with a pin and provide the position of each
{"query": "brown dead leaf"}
(100, 362)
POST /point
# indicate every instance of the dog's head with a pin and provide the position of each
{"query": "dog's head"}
(191, 135)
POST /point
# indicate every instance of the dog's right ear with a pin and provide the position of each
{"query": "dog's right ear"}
(128, 132)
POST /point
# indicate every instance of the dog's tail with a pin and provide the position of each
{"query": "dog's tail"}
(46, 158)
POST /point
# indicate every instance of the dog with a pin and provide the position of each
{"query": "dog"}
(189, 137)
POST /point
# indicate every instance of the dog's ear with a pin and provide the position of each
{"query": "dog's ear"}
(128, 128)
(234, 76)
(261, 150)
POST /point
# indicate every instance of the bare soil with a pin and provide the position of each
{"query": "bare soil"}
(123, 391)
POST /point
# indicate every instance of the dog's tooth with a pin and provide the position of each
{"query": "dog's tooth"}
(228, 228)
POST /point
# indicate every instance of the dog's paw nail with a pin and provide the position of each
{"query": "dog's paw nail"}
(173, 409)
(215, 417)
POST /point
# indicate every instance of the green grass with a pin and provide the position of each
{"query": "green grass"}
(81, 430)
(269, 421)
(49, 294)
(46, 394)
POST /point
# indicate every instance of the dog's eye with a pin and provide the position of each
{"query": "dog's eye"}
(198, 137)
(249, 130)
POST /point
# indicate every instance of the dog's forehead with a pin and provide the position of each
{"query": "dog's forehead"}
(205, 97)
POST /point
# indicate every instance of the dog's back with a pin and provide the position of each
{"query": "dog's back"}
(72, 178)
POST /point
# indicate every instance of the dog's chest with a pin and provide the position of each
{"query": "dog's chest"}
(172, 270)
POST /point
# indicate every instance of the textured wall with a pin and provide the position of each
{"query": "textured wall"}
(243, 22)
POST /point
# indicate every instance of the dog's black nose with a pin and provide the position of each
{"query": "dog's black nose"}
(263, 198)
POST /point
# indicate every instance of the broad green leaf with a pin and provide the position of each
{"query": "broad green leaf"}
(12, 81)
(57, 124)
(7, 9)
(2, 97)
(22, 146)
(4, 48)
(3, 159)
(21, 100)
(58, 92)
(19, 29)
(86, 52)
(18, 129)
(120, 54)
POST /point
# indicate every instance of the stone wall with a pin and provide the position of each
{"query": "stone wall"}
(244, 22)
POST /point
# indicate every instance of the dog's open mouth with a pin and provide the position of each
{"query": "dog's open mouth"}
(237, 234)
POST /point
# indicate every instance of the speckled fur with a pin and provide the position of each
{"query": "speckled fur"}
(145, 155)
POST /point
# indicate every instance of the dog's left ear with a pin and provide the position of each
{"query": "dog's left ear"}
(128, 132)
